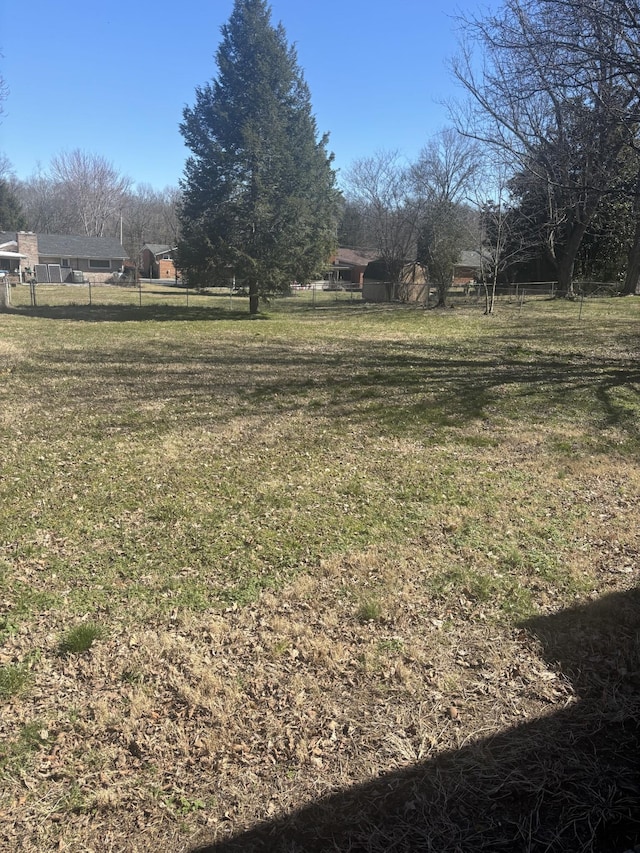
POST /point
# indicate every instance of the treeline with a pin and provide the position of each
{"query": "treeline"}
(550, 124)
(82, 193)
(539, 172)
(553, 92)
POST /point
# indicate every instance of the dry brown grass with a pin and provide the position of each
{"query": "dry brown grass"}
(221, 720)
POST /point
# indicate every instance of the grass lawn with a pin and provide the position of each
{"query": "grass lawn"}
(247, 565)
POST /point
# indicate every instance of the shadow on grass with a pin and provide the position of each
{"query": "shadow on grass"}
(567, 782)
(388, 386)
(133, 313)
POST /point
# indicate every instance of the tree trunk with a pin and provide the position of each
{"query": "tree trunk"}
(565, 275)
(254, 298)
(632, 278)
(441, 298)
(490, 296)
(567, 260)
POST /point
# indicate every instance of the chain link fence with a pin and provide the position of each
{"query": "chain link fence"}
(151, 293)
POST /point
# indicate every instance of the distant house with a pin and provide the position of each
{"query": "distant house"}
(58, 258)
(157, 261)
(469, 267)
(413, 285)
(348, 266)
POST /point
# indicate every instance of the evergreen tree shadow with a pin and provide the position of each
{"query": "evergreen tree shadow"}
(101, 313)
(567, 782)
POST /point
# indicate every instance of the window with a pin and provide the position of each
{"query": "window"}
(64, 262)
(99, 264)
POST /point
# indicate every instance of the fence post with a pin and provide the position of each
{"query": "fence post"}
(5, 292)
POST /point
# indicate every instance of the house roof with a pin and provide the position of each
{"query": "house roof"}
(158, 248)
(71, 246)
(355, 257)
(471, 259)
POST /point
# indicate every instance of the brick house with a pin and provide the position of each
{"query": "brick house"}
(54, 258)
(157, 261)
(349, 265)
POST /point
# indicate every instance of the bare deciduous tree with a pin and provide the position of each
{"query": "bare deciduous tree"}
(446, 167)
(354, 228)
(6, 169)
(171, 202)
(381, 187)
(443, 177)
(90, 186)
(149, 216)
(507, 238)
(553, 104)
(11, 215)
(46, 211)
(4, 91)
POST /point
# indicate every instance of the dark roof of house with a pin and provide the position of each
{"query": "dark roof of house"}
(70, 246)
(355, 257)
(158, 248)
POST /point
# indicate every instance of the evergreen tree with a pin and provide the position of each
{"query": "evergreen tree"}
(259, 190)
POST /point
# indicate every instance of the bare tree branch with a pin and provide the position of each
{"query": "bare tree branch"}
(92, 188)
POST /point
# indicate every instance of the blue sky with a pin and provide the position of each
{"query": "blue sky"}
(112, 78)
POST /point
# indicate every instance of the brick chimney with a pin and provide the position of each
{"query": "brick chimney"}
(28, 245)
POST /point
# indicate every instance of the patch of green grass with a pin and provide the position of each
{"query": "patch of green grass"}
(181, 474)
(503, 595)
(280, 647)
(16, 753)
(80, 638)
(390, 646)
(75, 801)
(369, 610)
(33, 736)
(133, 675)
(186, 805)
(13, 680)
